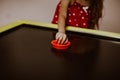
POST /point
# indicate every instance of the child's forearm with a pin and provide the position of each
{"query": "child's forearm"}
(63, 15)
(96, 27)
(61, 23)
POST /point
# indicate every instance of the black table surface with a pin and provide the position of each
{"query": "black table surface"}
(26, 54)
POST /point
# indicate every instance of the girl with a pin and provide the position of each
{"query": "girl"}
(78, 13)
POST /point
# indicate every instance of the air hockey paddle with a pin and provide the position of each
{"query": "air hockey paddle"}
(60, 46)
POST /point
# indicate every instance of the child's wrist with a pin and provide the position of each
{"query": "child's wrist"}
(61, 31)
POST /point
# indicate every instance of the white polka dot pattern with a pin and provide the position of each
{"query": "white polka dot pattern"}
(77, 15)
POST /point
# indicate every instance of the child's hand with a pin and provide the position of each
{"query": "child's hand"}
(61, 38)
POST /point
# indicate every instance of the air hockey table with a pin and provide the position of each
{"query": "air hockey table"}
(26, 53)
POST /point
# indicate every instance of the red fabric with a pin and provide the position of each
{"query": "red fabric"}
(77, 16)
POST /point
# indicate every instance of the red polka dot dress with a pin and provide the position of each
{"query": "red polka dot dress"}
(77, 15)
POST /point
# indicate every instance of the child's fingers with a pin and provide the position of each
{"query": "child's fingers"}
(66, 41)
(57, 36)
(63, 39)
(59, 40)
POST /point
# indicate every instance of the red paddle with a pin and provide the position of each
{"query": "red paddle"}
(60, 46)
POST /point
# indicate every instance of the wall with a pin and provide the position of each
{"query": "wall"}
(111, 17)
(43, 10)
(36, 10)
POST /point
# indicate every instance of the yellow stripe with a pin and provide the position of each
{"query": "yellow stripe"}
(9, 26)
(75, 29)
(95, 32)
(40, 24)
(54, 26)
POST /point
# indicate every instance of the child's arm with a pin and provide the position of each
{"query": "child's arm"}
(61, 36)
(96, 28)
